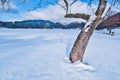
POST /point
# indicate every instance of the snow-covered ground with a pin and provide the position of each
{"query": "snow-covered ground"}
(34, 54)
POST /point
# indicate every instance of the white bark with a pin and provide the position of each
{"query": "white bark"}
(106, 10)
(91, 19)
(89, 22)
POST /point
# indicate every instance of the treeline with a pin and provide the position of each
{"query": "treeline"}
(41, 24)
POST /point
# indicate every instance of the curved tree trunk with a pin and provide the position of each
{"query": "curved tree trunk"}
(82, 40)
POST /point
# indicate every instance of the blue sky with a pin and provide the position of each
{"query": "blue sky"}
(23, 11)
(30, 4)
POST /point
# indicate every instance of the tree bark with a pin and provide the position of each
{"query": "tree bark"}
(78, 15)
(82, 40)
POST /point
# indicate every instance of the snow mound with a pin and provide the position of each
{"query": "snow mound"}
(78, 65)
(82, 66)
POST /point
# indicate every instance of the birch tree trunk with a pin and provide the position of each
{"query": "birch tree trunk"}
(82, 40)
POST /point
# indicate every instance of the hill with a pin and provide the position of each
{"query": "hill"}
(41, 24)
(111, 22)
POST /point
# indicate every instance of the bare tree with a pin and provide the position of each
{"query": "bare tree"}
(93, 21)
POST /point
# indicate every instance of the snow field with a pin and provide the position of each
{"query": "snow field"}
(34, 54)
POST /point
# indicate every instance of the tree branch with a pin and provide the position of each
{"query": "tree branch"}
(67, 5)
(73, 2)
(77, 15)
(101, 7)
(62, 6)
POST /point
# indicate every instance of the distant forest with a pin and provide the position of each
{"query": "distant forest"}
(40, 24)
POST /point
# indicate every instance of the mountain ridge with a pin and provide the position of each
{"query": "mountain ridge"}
(41, 24)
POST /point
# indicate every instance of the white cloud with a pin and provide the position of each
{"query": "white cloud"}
(53, 13)
(56, 13)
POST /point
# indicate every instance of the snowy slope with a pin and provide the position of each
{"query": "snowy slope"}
(42, 55)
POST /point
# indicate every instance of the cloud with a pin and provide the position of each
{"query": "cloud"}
(56, 13)
(53, 13)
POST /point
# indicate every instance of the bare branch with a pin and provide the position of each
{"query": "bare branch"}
(62, 6)
(22, 1)
(67, 5)
(73, 2)
(78, 15)
(3, 3)
(37, 6)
